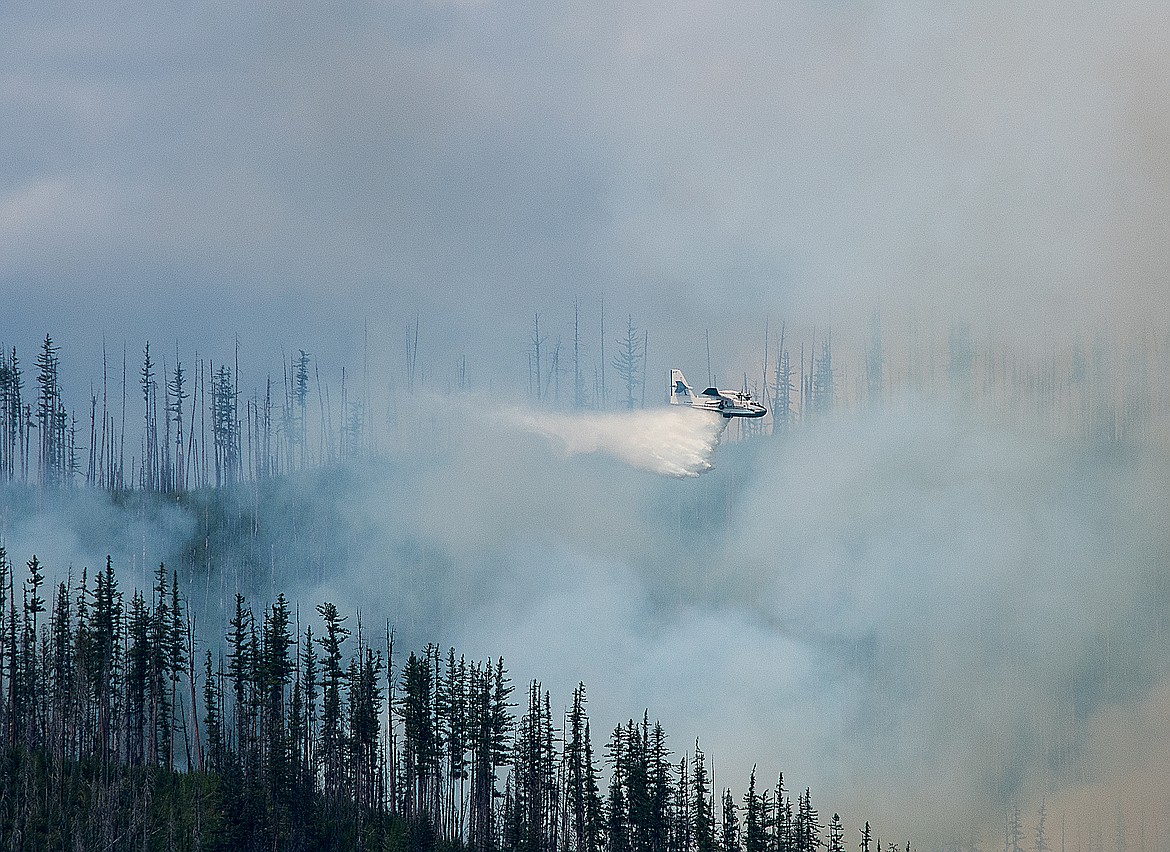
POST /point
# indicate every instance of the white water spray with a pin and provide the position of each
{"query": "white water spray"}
(667, 441)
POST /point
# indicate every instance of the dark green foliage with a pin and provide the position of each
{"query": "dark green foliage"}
(51, 417)
(836, 835)
(703, 808)
(110, 742)
(753, 819)
(729, 836)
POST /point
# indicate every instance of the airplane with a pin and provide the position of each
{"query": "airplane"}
(726, 402)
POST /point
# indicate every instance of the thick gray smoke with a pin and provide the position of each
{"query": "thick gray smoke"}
(477, 161)
(926, 616)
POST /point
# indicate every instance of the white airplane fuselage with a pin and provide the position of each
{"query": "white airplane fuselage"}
(729, 403)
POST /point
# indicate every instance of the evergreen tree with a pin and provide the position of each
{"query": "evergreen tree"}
(177, 394)
(332, 677)
(1014, 832)
(365, 706)
(581, 780)
(658, 768)
(1041, 837)
(617, 824)
(213, 718)
(420, 741)
(836, 835)
(628, 361)
(702, 810)
(729, 839)
(51, 419)
(807, 829)
(755, 838)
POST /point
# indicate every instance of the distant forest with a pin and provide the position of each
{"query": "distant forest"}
(121, 730)
(174, 427)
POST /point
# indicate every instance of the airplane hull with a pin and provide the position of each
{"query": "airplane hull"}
(724, 402)
(751, 414)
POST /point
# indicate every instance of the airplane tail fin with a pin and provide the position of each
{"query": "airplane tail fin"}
(680, 391)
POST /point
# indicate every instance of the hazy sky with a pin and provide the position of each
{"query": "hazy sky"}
(288, 172)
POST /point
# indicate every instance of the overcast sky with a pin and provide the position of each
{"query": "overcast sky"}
(291, 171)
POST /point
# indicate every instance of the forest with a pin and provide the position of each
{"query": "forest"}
(283, 728)
(123, 728)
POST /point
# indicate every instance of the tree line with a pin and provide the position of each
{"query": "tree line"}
(121, 728)
(196, 429)
(168, 426)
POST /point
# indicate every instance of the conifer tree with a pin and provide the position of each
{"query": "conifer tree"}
(617, 824)
(807, 829)
(703, 813)
(332, 676)
(580, 775)
(836, 835)
(729, 837)
(628, 361)
(658, 768)
(419, 736)
(753, 818)
(51, 419)
(213, 718)
(682, 834)
(365, 706)
(177, 394)
(1041, 837)
(1014, 833)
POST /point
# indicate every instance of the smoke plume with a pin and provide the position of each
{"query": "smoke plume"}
(925, 615)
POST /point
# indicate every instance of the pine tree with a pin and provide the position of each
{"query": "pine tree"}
(275, 668)
(755, 838)
(60, 672)
(836, 835)
(213, 718)
(241, 667)
(533, 776)
(419, 736)
(364, 700)
(617, 818)
(1014, 833)
(177, 394)
(580, 774)
(150, 430)
(628, 361)
(729, 839)
(332, 677)
(822, 379)
(1041, 837)
(807, 833)
(51, 420)
(702, 810)
(658, 767)
(225, 427)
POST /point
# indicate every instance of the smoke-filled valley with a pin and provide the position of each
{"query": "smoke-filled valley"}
(375, 305)
(929, 609)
